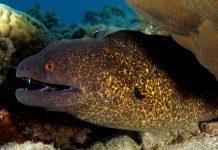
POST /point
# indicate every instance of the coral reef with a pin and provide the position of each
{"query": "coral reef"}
(19, 124)
(109, 19)
(63, 135)
(127, 143)
(117, 18)
(117, 143)
(199, 143)
(202, 137)
(193, 24)
(6, 51)
(23, 35)
(27, 146)
(111, 15)
(19, 32)
(49, 19)
(20, 27)
(210, 128)
(8, 128)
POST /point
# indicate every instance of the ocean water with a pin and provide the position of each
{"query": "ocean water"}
(68, 11)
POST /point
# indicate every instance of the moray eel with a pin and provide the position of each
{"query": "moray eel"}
(126, 80)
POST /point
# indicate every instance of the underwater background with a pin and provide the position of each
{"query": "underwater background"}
(66, 19)
(21, 36)
(68, 11)
(55, 20)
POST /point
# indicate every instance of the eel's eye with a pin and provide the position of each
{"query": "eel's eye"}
(50, 66)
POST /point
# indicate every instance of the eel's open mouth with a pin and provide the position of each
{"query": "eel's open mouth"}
(31, 85)
(40, 94)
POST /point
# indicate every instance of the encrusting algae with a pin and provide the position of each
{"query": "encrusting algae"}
(125, 80)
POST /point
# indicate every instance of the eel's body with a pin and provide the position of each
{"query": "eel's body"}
(126, 80)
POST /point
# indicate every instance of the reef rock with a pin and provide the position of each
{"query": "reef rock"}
(193, 24)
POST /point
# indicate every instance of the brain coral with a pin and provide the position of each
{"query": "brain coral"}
(192, 23)
(21, 35)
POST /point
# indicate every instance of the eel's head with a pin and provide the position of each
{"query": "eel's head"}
(57, 73)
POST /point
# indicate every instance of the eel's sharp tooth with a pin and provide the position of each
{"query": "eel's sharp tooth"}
(29, 81)
(45, 89)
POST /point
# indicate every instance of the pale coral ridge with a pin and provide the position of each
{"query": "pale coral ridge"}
(27, 146)
(193, 24)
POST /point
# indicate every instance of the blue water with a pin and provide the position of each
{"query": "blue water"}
(68, 11)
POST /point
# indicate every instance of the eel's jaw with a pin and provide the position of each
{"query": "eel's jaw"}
(49, 96)
(46, 99)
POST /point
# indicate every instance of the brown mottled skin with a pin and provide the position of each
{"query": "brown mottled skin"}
(126, 80)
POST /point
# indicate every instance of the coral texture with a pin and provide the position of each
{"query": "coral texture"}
(127, 143)
(193, 24)
(6, 51)
(19, 26)
(203, 143)
(27, 146)
(117, 143)
(64, 136)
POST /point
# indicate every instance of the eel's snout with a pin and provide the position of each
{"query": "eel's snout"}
(24, 67)
(31, 68)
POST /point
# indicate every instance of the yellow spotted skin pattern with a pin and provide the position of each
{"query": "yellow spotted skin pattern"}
(128, 80)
